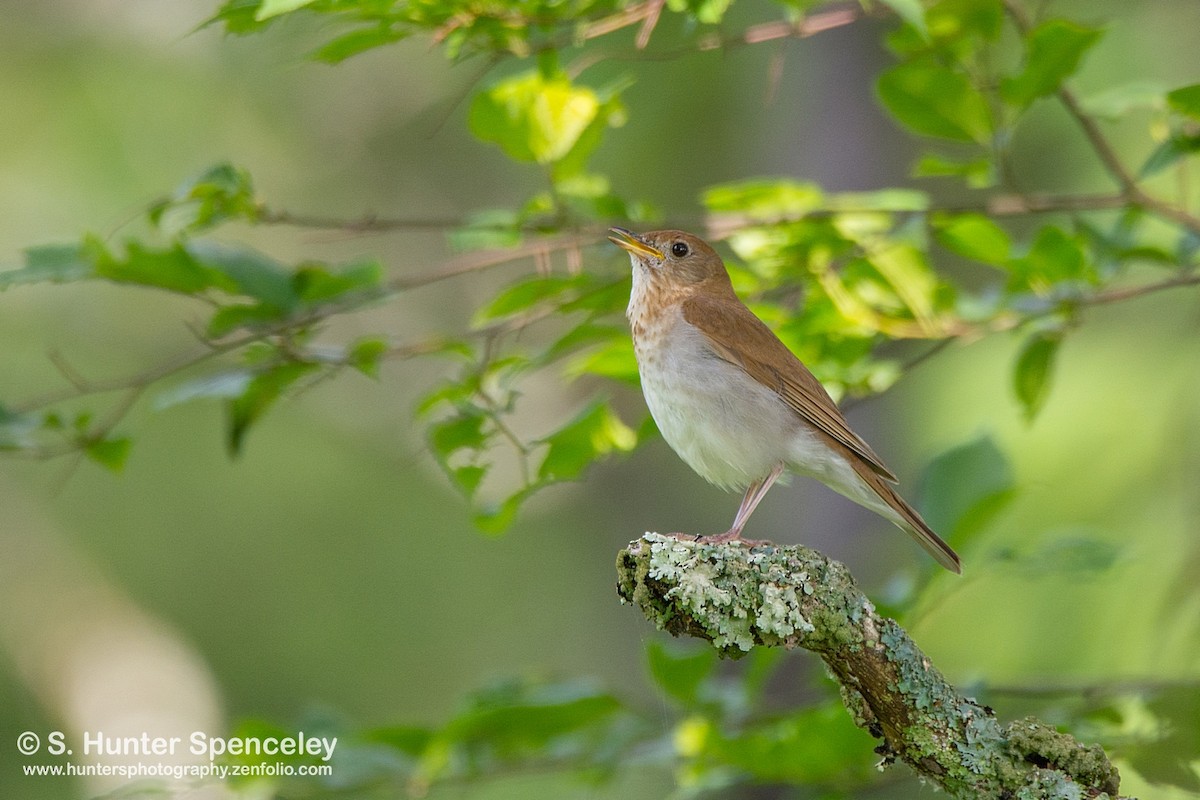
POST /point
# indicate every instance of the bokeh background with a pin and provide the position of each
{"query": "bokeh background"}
(331, 571)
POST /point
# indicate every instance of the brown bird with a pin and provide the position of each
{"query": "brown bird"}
(736, 405)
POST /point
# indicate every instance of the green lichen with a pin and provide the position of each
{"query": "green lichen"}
(737, 596)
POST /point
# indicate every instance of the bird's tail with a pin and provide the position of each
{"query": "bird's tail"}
(895, 509)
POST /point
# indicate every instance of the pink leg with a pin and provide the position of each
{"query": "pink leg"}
(754, 495)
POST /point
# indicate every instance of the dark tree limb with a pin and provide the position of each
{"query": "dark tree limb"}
(738, 597)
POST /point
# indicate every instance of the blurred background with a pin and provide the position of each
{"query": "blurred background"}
(331, 571)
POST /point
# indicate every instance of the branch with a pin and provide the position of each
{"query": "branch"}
(738, 597)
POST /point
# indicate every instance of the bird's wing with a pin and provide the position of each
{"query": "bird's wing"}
(774, 366)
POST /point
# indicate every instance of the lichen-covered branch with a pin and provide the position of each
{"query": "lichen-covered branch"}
(739, 597)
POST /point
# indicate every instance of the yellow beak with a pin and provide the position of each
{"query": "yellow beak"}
(628, 240)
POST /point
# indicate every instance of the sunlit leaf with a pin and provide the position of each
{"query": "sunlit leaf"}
(911, 11)
(1177, 146)
(974, 236)
(532, 117)
(246, 271)
(934, 100)
(978, 173)
(1054, 257)
(273, 8)
(1054, 50)
(709, 12)
(358, 41)
(528, 293)
(595, 432)
(765, 200)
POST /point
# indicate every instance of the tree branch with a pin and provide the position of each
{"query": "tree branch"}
(738, 597)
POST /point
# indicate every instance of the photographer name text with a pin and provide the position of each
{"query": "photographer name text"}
(198, 743)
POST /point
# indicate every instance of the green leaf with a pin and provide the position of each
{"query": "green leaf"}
(934, 100)
(1034, 370)
(273, 8)
(1185, 100)
(109, 453)
(1179, 145)
(463, 431)
(365, 354)
(819, 745)
(911, 11)
(528, 293)
(260, 394)
(221, 193)
(1053, 258)
(358, 41)
(245, 271)
(765, 200)
(227, 319)
(978, 173)
(54, 263)
(496, 517)
(974, 236)
(964, 488)
(315, 284)
(173, 269)
(533, 117)
(1053, 52)
(614, 360)
(680, 671)
(595, 432)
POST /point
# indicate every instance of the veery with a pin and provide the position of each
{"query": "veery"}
(729, 397)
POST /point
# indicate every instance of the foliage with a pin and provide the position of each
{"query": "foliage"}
(838, 275)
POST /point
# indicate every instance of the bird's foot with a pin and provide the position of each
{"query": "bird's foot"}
(719, 538)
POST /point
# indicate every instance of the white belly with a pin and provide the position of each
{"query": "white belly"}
(727, 427)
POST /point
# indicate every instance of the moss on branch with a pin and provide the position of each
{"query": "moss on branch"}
(738, 597)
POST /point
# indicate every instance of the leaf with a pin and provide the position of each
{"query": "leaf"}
(978, 173)
(462, 431)
(54, 263)
(260, 394)
(680, 671)
(614, 360)
(365, 354)
(911, 11)
(533, 117)
(974, 236)
(1177, 146)
(315, 284)
(527, 293)
(1053, 52)
(765, 200)
(964, 488)
(109, 453)
(496, 517)
(1185, 100)
(220, 193)
(222, 386)
(818, 745)
(1034, 370)
(708, 12)
(273, 8)
(172, 268)
(248, 272)
(227, 319)
(1053, 258)
(595, 432)
(358, 41)
(934, 100)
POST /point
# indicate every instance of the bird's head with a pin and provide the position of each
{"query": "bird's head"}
(670, 258)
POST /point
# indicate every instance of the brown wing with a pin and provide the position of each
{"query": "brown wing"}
(724, 320)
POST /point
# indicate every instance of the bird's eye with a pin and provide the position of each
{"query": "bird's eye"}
(679, 249)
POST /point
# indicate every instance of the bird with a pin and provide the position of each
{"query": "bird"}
(732, 400)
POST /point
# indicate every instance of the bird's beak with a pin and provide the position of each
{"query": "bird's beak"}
(628, 240)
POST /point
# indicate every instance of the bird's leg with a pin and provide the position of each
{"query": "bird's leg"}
(754, 495)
